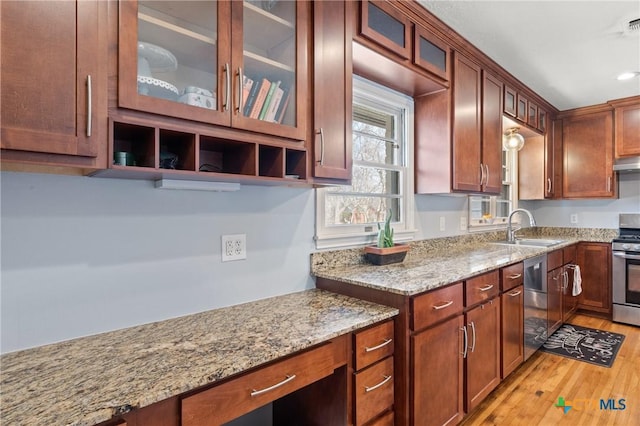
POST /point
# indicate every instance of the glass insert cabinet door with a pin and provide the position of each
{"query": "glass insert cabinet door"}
(233, 63)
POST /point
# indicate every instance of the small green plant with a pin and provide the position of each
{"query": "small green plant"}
(385, 235)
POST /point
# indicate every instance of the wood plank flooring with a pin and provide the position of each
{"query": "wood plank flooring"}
(528, 396)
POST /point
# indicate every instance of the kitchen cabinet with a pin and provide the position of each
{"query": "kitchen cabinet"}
(512, 318)
(374, 376)
(470, 116)
(387, 26)
(194, 61)
(482, 363)
(555, 288)
(587, 140)
(54, 83)
(569, 301)
(595, 267)
(437, 355)
(332, 101)
(522, 108)
(510, 104)
(627, 126)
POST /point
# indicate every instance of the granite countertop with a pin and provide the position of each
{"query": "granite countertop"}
(88, 380)
(431, 264)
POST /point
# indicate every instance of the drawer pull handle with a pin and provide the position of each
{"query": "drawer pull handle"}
(89, 101)
(270, 388)
(444, 305)
(381, 345)
(514, 276)
(515, 293)
(372, 388)
(486, 287)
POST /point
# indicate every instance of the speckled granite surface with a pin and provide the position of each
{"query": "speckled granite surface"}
(437, 262)
(87, 380)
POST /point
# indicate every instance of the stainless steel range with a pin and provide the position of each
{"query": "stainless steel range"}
(626, 271)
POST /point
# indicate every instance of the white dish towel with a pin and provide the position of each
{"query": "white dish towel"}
(577, 281)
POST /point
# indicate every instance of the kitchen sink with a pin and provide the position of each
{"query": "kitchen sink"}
(533, 242)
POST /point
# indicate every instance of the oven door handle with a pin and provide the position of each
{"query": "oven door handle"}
(626, 256)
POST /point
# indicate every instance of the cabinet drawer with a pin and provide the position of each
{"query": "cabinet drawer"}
(373, 344)
(374, 390)
(554, 260)
(481, 288)
(236, 397)
(511, 276)
(437, 305)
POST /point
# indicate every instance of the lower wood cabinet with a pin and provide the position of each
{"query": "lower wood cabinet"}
(482, 372)
(595, 267)
(569, 301)
(512, 331)
(438, 374)
(555, 284)
(374, 374)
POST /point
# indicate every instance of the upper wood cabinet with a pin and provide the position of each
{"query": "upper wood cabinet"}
(587, 139)
(332, 100)
(510, 101)
(54, 83)
(627, 126)
(387, 26)
(470, 116)
(396, 47)
(477, 128)
(239, 64)
(522, 108)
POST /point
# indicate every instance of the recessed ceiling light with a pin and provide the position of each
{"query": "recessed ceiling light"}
(628, 75)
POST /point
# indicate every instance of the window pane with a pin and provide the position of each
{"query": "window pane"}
(356, 209)
(372, 180)
(374, 136)
(480, 207)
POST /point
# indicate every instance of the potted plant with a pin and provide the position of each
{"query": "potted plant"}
(385, 251)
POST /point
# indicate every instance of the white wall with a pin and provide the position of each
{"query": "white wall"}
(85, 255)
(591, 213)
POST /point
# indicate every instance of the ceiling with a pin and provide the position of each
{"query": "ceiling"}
(568, 52)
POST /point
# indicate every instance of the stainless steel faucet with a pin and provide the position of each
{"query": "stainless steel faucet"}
(511, 232)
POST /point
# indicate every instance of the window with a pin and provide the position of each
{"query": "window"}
(489, 212)
(382, 126)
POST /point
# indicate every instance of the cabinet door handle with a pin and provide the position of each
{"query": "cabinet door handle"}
(466, 341)
(515, 293)
(549, 185)
(240, 89)
(609, 184)
(227, 92)
(514, 276)
(481, 175)
(486, 287)
(442, 306)
(270, 388)
(473, 333)
(374, 387)
(321, 133)
(89, 106)
(381, 345)
(486, 179)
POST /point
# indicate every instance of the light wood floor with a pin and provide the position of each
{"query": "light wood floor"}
(528, 396)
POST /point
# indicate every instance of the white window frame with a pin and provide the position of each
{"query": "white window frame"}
(512, 181)
(377, 96)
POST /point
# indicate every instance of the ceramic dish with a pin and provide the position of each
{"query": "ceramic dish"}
(159, 58)
(150, 86)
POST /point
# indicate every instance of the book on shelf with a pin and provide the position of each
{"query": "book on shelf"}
(284, 103)
(265, 85)
(268, 100)
(247, 85)
(248, 104)
(273, 105)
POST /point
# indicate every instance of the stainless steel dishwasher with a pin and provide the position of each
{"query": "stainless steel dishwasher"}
(535, 304)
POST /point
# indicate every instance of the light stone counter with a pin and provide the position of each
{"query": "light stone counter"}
(435, 263)
(88, 380)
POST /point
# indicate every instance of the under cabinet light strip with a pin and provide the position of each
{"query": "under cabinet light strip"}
(197, 185)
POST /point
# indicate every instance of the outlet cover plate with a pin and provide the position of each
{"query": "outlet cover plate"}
(234, 247)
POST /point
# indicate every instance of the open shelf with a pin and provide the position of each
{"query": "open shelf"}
(271, 161)
(227, 156)
(177, 150)
(136, 141)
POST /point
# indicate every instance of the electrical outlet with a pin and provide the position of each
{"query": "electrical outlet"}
(234, 247)
(574, 218)
(442, 223)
